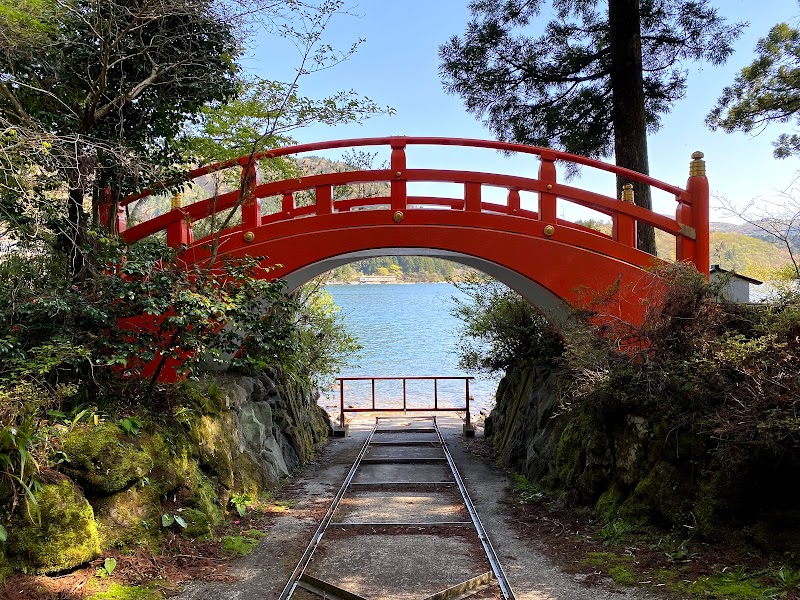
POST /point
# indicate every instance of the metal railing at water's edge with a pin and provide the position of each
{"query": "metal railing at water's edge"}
(376, 407)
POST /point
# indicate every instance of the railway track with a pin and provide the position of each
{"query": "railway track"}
(402, 526)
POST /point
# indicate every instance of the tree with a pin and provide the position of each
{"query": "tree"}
(111, 85)
(767, 91)
(595, 81)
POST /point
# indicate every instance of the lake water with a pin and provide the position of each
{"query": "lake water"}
(406, 330)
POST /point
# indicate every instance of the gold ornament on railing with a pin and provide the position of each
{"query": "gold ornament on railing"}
(627, 193)
(177, 201)
(698, 166)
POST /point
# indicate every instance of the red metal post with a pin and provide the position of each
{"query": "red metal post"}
(513, 201)
(698, 198)
(435, 394)
(398, 168)
(623, 229)
(547, 201)
(472, 197)
(684, 243)
(324, 200)
(287, 204)
(179, 233)
(341, 402)
(373, 394)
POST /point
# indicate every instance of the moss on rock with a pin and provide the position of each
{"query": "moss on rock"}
(104, 459)
(203, 497)
(663, 496)
(198, 524)
(126, 516)
(64, 537)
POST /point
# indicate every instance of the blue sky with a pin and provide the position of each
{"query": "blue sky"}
(398, 66)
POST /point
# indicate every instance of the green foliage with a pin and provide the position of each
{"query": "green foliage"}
(614, 533)
(109, 565)
(241, 502)
(722, 370)
(304, 334)
(149, 307)
(168, 520)
(555, 90)
(529, 492)
(500, 328)
(767, 91)
(127, 592)
(130, 425)
(19, 444)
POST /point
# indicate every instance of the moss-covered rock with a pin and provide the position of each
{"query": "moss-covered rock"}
(585, 460)
(198, 524)
(127, 516)
(64, 536)
(174, 460)
(203, 497)
(104, 459)
(608, 504)
(663, 496)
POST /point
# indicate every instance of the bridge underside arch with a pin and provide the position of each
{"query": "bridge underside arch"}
(539, 296)
(549, 272)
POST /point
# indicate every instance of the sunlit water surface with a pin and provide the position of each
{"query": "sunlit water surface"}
(406, 330)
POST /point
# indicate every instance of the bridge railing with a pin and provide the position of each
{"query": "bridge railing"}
(689, 226)
(400, 402)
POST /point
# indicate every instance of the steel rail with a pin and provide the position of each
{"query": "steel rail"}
(294, 580)
(300, 580)
(502, 580)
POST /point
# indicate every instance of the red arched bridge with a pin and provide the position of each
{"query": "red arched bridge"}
(547, 259)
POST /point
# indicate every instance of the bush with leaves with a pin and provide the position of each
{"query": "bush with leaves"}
(141, 304)
(724, 371)
(500, 327)
(304, 334)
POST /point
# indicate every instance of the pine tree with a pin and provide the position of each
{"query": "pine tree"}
(593, 82)
(766, 91)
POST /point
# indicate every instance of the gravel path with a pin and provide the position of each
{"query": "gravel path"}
(263, 574)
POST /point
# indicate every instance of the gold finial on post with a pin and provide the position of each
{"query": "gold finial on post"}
(177, 201)
(698, 166)
(627, 193)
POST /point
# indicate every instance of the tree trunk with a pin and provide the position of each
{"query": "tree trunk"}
(72, 238)
(630, 124)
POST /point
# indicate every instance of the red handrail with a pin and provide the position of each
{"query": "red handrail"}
(690, 226)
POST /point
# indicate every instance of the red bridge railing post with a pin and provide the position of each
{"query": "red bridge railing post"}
(398, 168)
(324, 195)
(179, 233)
(287, 204)
(547, 201)
(623, 228)
(472, 197)
(698, 197)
